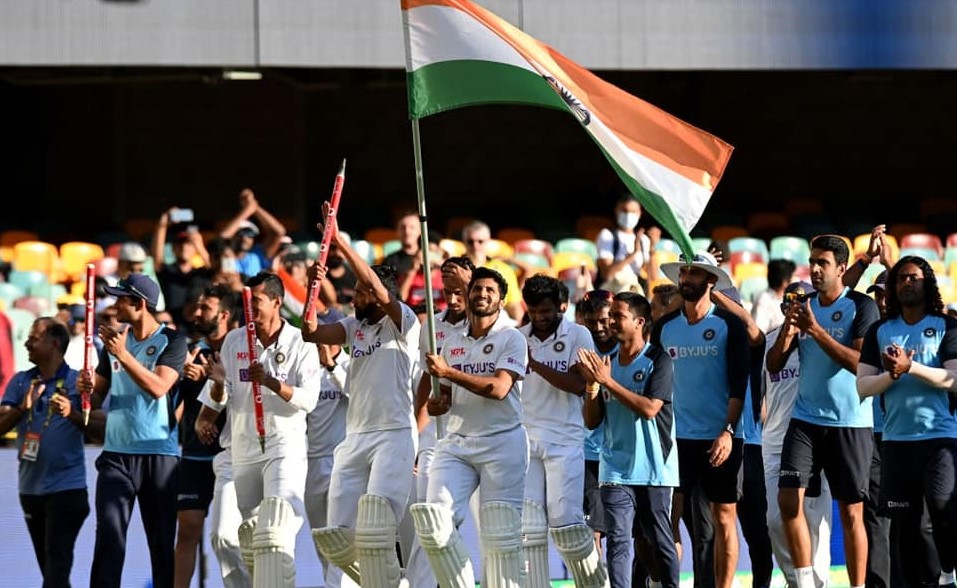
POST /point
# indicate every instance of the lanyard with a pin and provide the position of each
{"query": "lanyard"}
(60, 384)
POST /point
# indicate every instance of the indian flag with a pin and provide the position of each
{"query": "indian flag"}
(460, 54)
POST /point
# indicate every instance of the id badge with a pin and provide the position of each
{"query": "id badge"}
(31, 447)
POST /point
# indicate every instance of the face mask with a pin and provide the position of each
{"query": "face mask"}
(628, 220)
(334, 262)
(228, 265)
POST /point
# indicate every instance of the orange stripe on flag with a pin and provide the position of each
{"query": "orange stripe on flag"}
(642, 127)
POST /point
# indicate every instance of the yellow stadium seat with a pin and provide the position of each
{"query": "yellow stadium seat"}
(37, 256)
(862, 241)
(6, 253)
(498, 249)
(743, 271)
(75, 255)
(14, 236)
(513, 234)
(453, 247)
(572, 259)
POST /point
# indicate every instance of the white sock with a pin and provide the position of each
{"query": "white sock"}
(946, 578)
(653, 584)
(805, 577)
(861, 586)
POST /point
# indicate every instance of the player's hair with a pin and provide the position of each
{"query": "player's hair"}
(55, 330)
(665, 292)
(388, 276)
(539, 288)
(834, 244)
(272, 285)
(780, 272)
(933, 304)
(638, 305)
(460, 260)
(484, 273)
(226, 297)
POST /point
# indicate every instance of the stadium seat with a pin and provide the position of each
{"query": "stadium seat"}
(391, 246)
(366, 249)
(925, 252)
(379, 235)
(563, 260)
(572, 244)
(498, 249)
(75, 255)
(660, 257)
(536, 246)
(767, 224)
(453, 247)
(6, 253)
(588, 226)
(701, 243)
(743, 271)
(139, 228)
(728, 232)
(454, 226)
(21, 320)
(10, 292)
(898, 230)
(867, 279)
(310, 248)
(938, 266)
(36, 305)
(535, 260)
(37, 256)
(862, 241)
(748, 288)
(749, 244)
(107, 266)
(668, 245)
(49, 292)
(511, 235)
(27, 279)
(795, 249)
(739, 257)
(14, 236)
(925, 240)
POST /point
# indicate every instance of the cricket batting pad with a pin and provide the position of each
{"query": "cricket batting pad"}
(375, 543)
(337, 544)
(576, 544)
(443, 544)
(501, 536)
(274, 544)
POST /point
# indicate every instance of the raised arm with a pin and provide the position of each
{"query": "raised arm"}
(272, 231)
(364, 274)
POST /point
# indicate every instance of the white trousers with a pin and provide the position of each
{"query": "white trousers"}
(224, 521)
(556, 480)
(817, 512)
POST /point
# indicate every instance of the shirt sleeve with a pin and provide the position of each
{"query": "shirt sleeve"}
(739, 357)
(948, 347)
(351, 325)
(514, 355)
(604, 245)
(174, 356)
(13, 395)
(206, 399)
(581, 339)
(871, 350)
(104, 366)
(865, 316)
(308, 381)
(660, 385)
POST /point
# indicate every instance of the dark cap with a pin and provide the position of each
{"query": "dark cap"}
(880, 283)
(138, 286)
(293, 254)
(77, 313)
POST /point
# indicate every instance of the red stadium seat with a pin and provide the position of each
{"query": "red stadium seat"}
(923, 240)
(536, 246)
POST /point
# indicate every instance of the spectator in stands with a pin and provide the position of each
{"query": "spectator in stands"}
(223, 265)
(342, 279)
(44, 406)
(251, 256)
(767, 305)
(476, 236)
(77, 326)
(409, 232)
(412, 284)
(664, 299)
(181, 278)
(131, 258)
(623, 253)
(7, 367)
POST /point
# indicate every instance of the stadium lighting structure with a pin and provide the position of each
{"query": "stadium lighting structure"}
(239, 75)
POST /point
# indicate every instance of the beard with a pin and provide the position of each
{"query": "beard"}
(365, 313)
(692, 292)
(204, 328)
(334, 262)
(483, 312)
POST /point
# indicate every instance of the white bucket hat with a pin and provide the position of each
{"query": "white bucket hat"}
(702, 260)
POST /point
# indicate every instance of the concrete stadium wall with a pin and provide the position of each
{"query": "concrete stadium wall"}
(601, 34)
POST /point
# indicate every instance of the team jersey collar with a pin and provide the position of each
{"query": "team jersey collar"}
(61, 373)
(500, 323)
(560, 331)
(706, 315)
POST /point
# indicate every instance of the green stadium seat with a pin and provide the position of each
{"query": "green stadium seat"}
(10, 292)
(27, 279)
(750, 287)
(391, 246)
(795, 249)
(669, 245)
(21, 321)
(574, 245)
(925, 252)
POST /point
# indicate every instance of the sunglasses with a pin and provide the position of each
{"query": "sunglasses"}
(598, 295)
(475, 241)
(133, 290)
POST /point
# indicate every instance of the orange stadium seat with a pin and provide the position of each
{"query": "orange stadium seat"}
(138, 228)
(379, 235)
(512, 235)
(727, 232)
(74, 256)
(6, 253)
(898, 230)
(14, 236)
(863, 240)
(588, 226)
(498, 249)
(454, 226)
(768, 224)
(37, 256)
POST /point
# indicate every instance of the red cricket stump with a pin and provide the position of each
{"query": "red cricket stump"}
(309, 311)
(251, 345)
(89, 328)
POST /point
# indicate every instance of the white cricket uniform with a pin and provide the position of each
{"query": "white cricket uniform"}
(486, 445)
(556, 429)
(281, 469)
(325, 428)
(780, 392)
(378, 452)
(224, 515)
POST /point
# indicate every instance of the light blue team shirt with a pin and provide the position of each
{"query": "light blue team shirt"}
(827, 393)
(914, 410)
(59, 465)
(593, 437)
(751, 428)
(253, 262)
(711, 365)
(136, 422)
(638, 451)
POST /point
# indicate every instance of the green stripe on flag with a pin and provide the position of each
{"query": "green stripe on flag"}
(447, 85)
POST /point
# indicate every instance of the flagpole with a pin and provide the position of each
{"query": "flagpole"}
(426, 267)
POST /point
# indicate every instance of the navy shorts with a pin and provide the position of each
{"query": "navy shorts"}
(912, 471)
(196, 481)
(594, 507)
(722, 484)
(843, 453)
